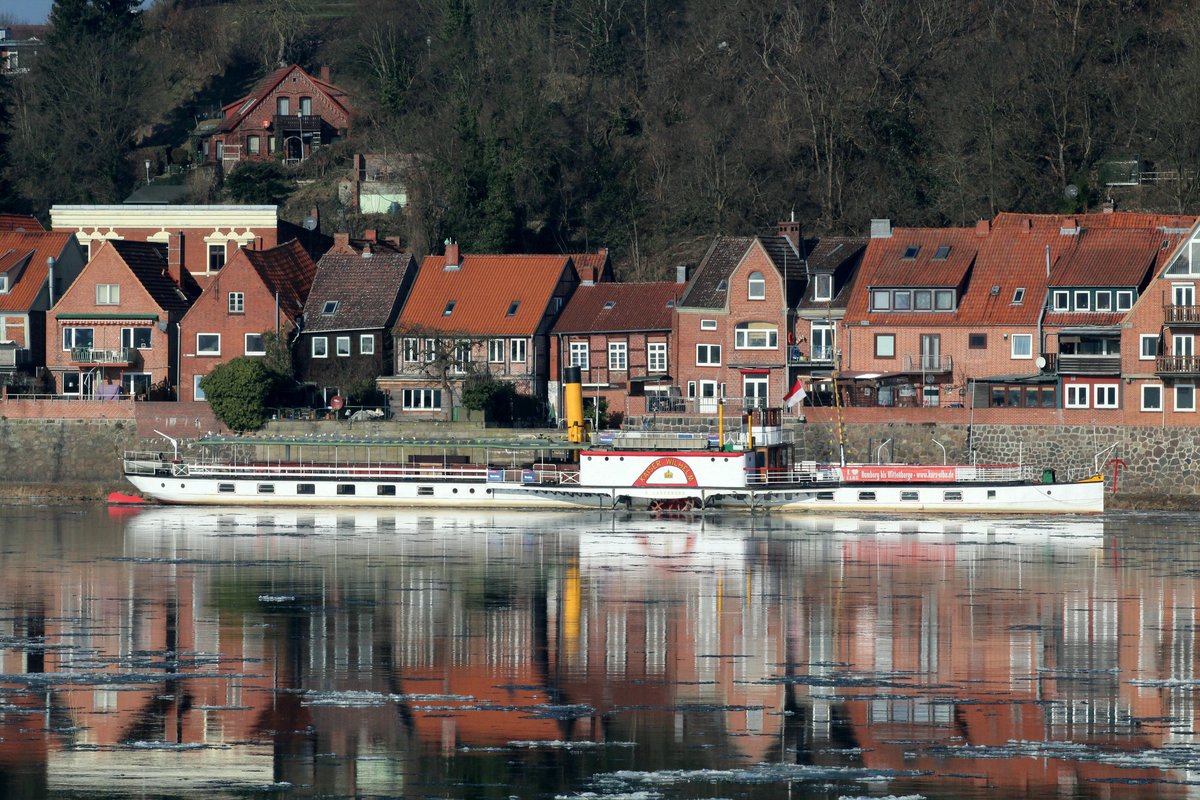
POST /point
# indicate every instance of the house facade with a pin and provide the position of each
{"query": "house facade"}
(207, 235)
(289, 114)
(259, 292)
(818, 301)
(731, 325)
(35, 268)
(115, 329)
(356, 296)
(619, 335)
(476, 315)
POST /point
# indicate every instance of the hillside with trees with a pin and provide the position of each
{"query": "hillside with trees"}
(642, 125)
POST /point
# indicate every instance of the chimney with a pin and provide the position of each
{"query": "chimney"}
(1027, 225)
(1070, 227)
(453, 261)
(175, 258)
(325, 73)
(1109, 206)
(341, 243)
(371, 235)
(790, 230)
(983, 227)
(881, 229)
(681, 273)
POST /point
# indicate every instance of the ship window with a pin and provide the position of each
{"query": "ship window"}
(225, 488)
(991, 494)
(424, 491)
(266, 488)
(386, 489)
(306, 488)
(824, 495)
(345, 488)
(866, 495)
(908, 496)
(955, 497)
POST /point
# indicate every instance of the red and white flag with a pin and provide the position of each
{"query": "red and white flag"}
(795, 395)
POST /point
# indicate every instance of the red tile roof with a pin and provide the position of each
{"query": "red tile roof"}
(592, 266)
(617, 307)
(237, 111)
(19, 222)
(27, 252)
(1111, 257)
(484, 289)
(288, 271)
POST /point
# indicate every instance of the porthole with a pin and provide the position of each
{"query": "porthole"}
(472, 491)
(163, 485)
(454, 491)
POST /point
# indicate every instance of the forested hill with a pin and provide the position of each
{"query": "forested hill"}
(649, 125)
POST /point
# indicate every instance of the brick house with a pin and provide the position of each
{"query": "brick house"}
(818, 300)
(258, 292)
(476, 315)
(210, 235)
(619, 335)
(289, 114)
(117, 324)
(346, 341)
(731, 324)
(35, 268)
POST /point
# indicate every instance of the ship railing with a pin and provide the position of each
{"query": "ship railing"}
(809, 472)
(141, 462)
(797, 473)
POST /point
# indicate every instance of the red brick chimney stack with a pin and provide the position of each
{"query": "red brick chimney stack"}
(325, 73)
(453, 260)
(790, 230)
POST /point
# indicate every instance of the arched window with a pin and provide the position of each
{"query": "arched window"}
(756, 336)
(756, 286)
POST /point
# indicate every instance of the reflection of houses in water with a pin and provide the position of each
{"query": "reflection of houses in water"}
(972, 633)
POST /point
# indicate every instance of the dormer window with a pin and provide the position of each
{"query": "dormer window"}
(911, 252)
(756, 286)
(330, 307)
(942, 253)
(512, 309)
(3, 284)
(823, 287)
(449, 309)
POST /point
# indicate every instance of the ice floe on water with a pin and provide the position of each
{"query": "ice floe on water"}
(883, 797)
(612, 784)
(561, 745)
(276, 598)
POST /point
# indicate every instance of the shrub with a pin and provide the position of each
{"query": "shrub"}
(237, 391)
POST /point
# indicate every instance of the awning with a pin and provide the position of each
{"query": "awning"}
(755, 371)
(649, 378)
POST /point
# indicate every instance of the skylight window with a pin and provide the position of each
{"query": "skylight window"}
(722, 286)
(449, 308)
(246, 106)
(942, 253)
(911, 252)
(1018, 296)
(329, 307)
(512, 309)
(610, 305)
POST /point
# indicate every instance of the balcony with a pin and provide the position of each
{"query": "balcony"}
(819, 355)
(288, 124)
(1089, 364)
(1179, 316)
(1177, 365)
(122, 356)
(927, 363)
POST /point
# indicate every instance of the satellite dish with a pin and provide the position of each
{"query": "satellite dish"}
(310, 224)
(1071, 191)
(1041, 362)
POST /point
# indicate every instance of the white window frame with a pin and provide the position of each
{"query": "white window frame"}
(421, 399)
(461, 355)
(108, 294)
(236, 303)
(1018, 296)
(320, 347)
(431, 350)
(197, 392)
(341, 346)
(517, 351)
(127, 339)
(822, 287)
(705, 355)
(410, 351)
(1106, 395)
(1186, 408)
(1062, 300)
(1103, 301)
(708, 324)
(1124, 299)
(1152, 340)
(496, 351)
(742, 337)
(656, 357)
(71, 335)
(580, 354)
(1157, 407)
(756, 286)
(1021, 337)
(618, 356)
(3, 284)
(221, 252)
(201, 351)
(262, 348)
(366, 344)
(1083, 300)
(1077, 395)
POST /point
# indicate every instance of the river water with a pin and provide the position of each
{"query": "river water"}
(290, 654)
